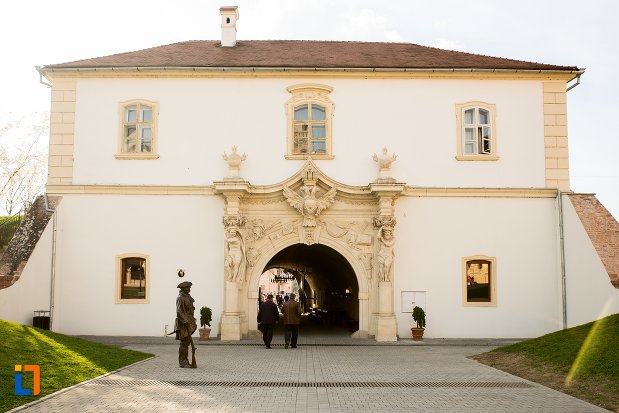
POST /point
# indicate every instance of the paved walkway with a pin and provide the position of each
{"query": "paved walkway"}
(325, 374)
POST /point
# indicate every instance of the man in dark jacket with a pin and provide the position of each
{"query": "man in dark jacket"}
(268, 315)
(292, 316)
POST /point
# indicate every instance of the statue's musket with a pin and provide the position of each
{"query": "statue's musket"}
(193, 350)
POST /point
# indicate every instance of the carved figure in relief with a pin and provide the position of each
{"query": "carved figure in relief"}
(309, 205)
(235, 258)
(385, 252)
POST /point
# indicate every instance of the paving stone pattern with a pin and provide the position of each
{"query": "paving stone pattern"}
(446, 382)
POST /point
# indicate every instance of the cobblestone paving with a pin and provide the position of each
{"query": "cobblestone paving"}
(401, 378)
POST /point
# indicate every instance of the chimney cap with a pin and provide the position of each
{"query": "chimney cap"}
(230, 9)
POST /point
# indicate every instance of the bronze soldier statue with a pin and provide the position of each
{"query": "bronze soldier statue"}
(185, 325)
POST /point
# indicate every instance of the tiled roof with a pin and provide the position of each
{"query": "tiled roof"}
(303, 54)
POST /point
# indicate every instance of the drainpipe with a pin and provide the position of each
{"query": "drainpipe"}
(53, 268)
(562, 252)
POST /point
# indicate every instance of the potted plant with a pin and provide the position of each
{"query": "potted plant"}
(420, 318)
(206, 315)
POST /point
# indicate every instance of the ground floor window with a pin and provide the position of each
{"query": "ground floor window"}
(479, 281)
(132, 278)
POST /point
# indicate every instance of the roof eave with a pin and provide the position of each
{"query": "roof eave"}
(303, 69)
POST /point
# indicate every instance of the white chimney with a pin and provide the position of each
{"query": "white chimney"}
(229, 16)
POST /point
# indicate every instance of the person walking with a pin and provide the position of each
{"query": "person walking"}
(292, 317)
(268, 316)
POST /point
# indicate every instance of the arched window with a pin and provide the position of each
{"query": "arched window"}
(476, 131)
(310, 129)
(310, 114)
(479, 282)
(138, 130)
(132, 278)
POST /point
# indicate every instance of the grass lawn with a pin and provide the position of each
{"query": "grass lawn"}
(63, 360)
(582, 361)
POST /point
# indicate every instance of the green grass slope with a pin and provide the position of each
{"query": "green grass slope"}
(582, 361)
(63, 360)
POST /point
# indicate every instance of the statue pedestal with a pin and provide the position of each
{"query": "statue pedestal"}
(230, 327)
(386, 326)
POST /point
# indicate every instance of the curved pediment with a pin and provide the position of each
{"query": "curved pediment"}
(309, 171)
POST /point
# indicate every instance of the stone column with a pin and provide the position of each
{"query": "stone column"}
(233, 192)
(386, 326)
(230, 321)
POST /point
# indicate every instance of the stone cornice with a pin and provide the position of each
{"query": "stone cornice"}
(272, 191)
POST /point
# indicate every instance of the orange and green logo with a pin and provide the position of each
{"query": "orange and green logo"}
(19, 380)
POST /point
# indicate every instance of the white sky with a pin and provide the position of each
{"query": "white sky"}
(562, 32)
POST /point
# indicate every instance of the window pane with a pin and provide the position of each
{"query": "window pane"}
(130, 138)
(318, 112)
(146, 140)
(478, 281)
(301, 112)
(147, 114)
(469, 148)
(319, 132)
(469, 116)
(469, 135)
(300, 138)
(133, 278)
(486, 140)
(484, 117)
(319, 147)
(131, 114)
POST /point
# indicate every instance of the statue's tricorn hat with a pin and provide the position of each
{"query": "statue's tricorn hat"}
(184, 284)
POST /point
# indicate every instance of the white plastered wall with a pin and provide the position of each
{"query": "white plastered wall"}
(176, 232)
(32, 291)
(434, 234)
(201, 118)
(590, 295)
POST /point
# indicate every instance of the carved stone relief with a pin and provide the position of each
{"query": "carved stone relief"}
(386, 242)
(235, 258)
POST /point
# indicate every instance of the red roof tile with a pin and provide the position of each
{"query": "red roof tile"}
(303, 54)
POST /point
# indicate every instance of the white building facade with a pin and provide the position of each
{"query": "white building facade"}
(466, 212)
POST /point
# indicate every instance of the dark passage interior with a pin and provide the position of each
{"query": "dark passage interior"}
(322, 279)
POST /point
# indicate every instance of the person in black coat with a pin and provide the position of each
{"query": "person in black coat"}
(268, 315)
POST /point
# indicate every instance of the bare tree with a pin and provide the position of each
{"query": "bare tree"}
(23, 161)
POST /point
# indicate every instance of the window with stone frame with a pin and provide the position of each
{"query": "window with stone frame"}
(138, 130)
(310, 115)
(476, 131)
(479, 283)
(132, 278)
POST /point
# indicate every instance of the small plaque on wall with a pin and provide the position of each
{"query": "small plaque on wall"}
(411, 299)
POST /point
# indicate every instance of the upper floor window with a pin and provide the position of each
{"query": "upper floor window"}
(310, 114)
(138, 136)
(479, 281)
(476, 132)
(132, 278)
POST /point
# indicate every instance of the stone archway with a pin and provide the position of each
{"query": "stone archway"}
(357, 267)
(309, 208)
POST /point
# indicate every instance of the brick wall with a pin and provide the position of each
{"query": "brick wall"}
(22, 244)
(603, 230)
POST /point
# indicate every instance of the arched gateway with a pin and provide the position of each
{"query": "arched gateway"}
(312, 209)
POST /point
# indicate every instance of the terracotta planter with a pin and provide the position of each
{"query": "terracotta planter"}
(205, 333)
(417, 333)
